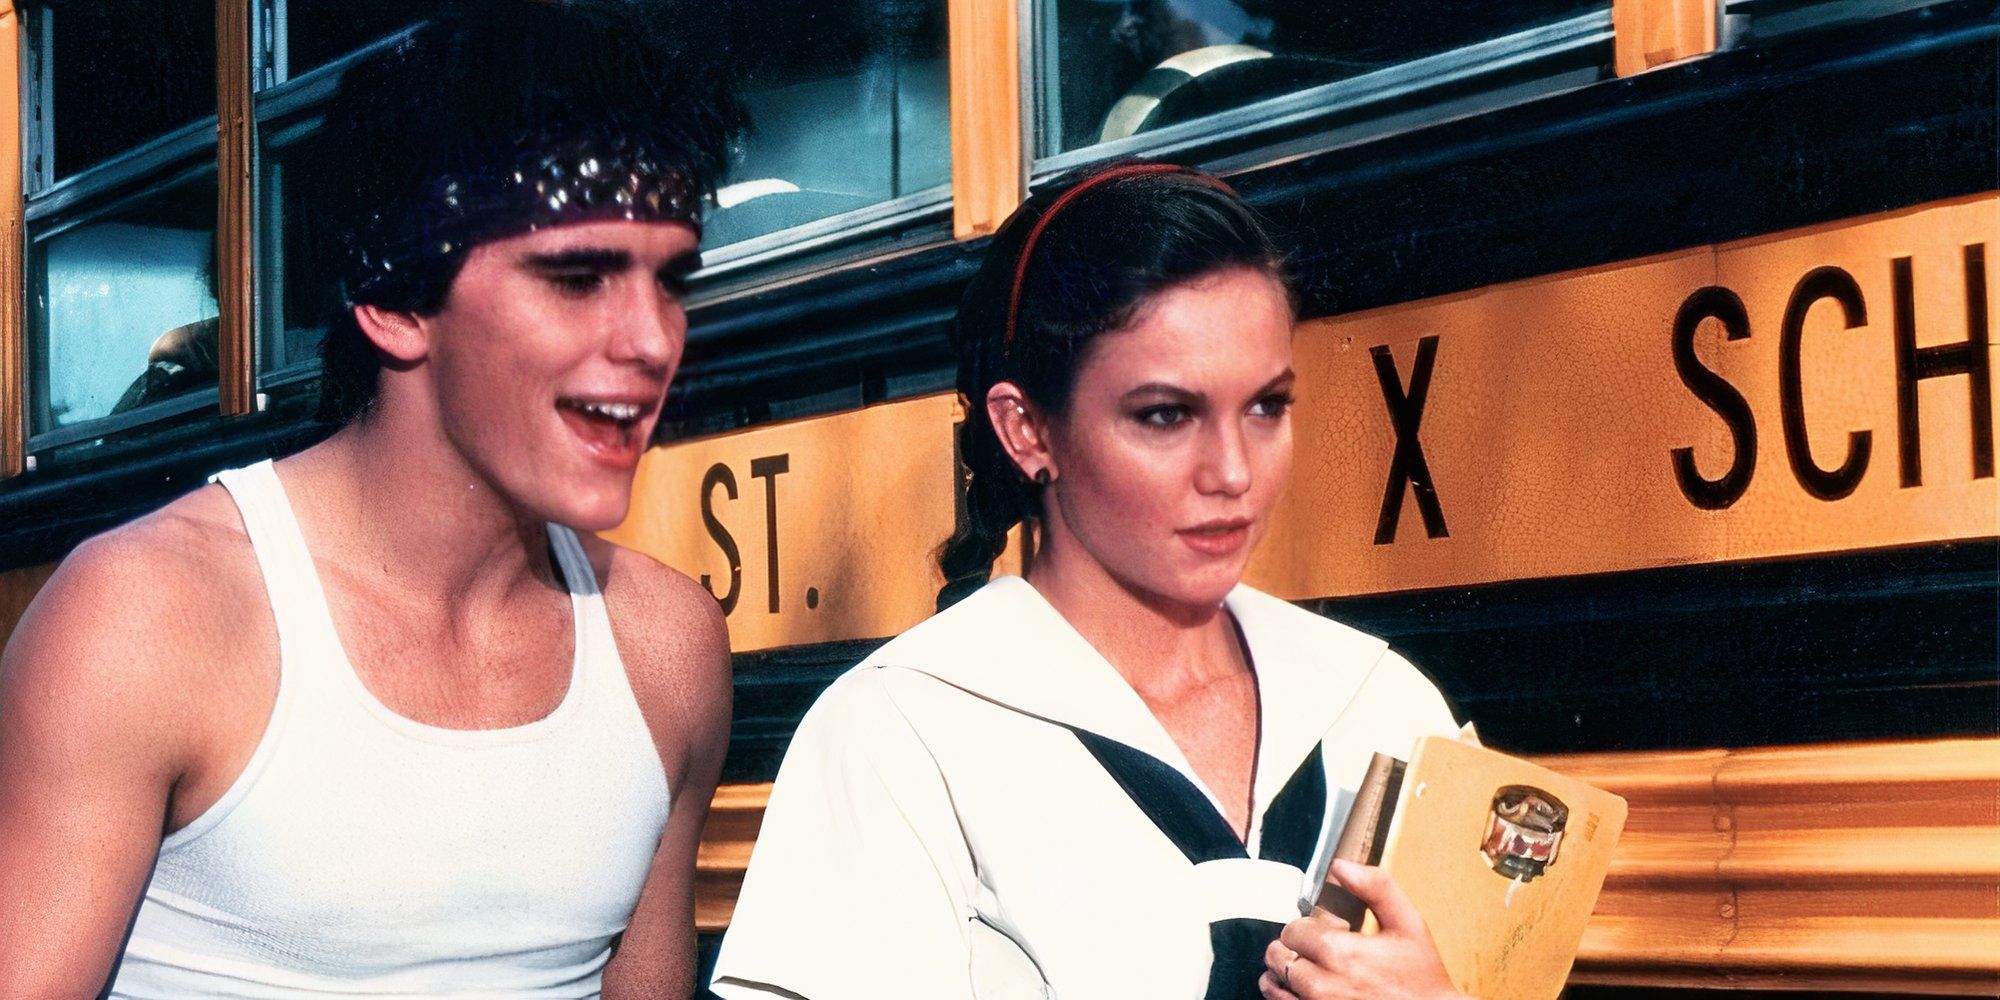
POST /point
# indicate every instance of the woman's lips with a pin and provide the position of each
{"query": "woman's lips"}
(1217, 538)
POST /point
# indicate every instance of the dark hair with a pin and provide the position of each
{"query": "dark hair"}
(467, 87)
(1119, 234)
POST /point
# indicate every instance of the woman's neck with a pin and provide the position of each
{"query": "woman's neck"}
(1160, 647)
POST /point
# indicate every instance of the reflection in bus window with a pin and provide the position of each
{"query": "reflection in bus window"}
(308, 34)
(121, 73)
(1123, 67)
(850, 109)
(128, 307)
(300, 256)
(298, 249)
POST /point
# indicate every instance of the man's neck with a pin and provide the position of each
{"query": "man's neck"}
(397, 498)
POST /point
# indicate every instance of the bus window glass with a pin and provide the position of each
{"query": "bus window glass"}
(1755, 22)
(1109, 69)
(848, 102)
(298, 249)
(300, 257)
(849, 105)
(127, 307)
(121, 73)
(313, 33)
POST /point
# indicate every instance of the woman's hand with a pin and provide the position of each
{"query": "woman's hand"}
(1318, 958)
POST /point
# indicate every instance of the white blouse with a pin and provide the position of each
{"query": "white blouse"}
(985, 808)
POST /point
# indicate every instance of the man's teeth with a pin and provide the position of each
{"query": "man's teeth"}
(610, 411)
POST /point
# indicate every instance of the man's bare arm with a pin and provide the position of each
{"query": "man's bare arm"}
(92, 740)
(676, 650)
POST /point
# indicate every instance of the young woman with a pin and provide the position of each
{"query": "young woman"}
(1106, 779)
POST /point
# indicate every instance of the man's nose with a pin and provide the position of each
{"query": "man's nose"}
(651, 328)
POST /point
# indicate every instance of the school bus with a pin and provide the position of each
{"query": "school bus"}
(1646, 380)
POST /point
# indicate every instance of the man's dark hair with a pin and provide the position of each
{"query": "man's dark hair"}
(460, 96)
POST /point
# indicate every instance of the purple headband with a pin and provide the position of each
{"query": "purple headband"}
(549, 182)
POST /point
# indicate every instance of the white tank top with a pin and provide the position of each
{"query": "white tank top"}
(361, 852)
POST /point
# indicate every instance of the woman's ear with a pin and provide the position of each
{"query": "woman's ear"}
(400, 335)
(1023, 430)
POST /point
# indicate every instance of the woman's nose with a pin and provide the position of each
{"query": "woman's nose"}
(1225, 464)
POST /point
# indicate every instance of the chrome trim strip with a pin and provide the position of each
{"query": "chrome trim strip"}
(1027, 77)
(834, 229)
(152, 156)
(106, 426)
(38, 129)
(319, 83)
(1468, 106)
(1768, 19)
(297, 371)
(90, 213)
(699, 330)
(1507, 52)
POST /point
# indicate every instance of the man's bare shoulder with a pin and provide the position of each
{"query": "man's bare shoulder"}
(162, 590)
(670, 631)
(135, 629)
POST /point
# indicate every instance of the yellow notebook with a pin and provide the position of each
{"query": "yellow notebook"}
(1504, 859)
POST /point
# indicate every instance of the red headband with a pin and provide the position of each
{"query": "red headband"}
(1115, 173)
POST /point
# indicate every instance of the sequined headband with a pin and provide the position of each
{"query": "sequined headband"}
(1048, 215)
(547, 183)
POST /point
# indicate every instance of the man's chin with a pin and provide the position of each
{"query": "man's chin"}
(599, 513)
(588, 500)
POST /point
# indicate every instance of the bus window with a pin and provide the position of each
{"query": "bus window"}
(125, 307)
(118, 74)
(299, 257)
(849, 108)
(1108, 70)
(119, 100)
(307, 45)
(850, 117)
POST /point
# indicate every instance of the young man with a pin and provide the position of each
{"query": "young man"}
(364, 722)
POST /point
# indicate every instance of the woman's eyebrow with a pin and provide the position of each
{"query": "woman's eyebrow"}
(1166, 389)
(600, 259)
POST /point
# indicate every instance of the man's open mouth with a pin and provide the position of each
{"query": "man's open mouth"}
(608, 427)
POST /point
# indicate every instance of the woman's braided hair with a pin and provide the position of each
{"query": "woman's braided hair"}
(1074, 262)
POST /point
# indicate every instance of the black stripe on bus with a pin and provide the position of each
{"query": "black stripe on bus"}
(1886, 644)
